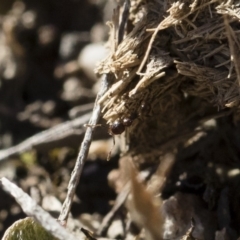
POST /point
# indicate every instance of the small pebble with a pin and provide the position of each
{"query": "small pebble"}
(90, 56)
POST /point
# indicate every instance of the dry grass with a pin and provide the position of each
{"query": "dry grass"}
(181, 59)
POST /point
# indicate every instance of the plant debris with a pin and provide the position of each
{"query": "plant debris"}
(177, 52)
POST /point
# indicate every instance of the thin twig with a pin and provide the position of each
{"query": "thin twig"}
(115, 20)
(82, 156)
(124, 19)
(53, 134)
(121, 198)
(31, 208)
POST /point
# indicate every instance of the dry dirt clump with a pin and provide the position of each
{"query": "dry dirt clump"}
(176, 67)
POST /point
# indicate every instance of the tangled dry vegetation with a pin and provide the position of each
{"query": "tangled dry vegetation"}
(178, 66)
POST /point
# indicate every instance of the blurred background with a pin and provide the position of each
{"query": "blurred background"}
(48, 51)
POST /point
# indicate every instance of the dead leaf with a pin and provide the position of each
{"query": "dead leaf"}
(144, 208)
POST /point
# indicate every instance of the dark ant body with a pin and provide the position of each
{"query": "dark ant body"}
(127, 121)
(116, 128)
(119, 126)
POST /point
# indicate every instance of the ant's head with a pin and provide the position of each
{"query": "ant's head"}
(116, 128)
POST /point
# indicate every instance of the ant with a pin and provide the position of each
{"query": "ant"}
(119, 125)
